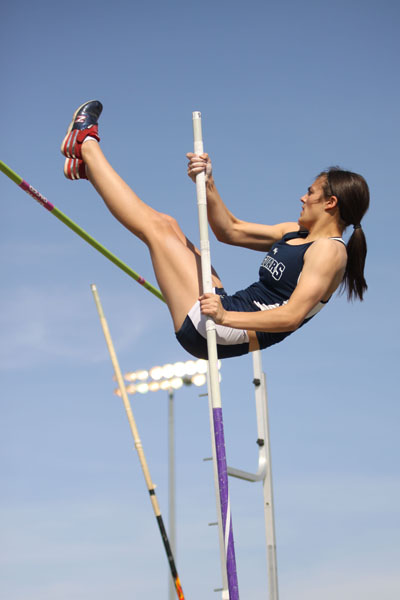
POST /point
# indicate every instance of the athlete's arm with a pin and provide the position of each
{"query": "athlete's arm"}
(228, 228)
(324, 265)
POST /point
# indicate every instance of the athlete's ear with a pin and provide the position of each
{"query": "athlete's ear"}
(331, 202)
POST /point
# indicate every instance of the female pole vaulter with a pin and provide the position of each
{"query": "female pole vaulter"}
(306, 261)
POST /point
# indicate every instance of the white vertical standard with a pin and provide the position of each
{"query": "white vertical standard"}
(264, 471)
(214, 395)
(262, 406)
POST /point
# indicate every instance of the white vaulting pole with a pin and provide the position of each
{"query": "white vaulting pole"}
(214, 394)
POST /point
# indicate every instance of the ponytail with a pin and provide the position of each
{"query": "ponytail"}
(352, 193)
(354, 280)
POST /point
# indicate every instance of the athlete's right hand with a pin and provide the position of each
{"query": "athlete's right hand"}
(211, 306)
(199, 163)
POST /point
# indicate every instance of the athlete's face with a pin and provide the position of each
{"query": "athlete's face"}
(312, 203)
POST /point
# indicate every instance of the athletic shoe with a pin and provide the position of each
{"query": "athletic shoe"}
(74, 169)
(83, 124)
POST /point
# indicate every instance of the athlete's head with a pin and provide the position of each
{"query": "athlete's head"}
(351, 191)
(352, 194)
(317, 205)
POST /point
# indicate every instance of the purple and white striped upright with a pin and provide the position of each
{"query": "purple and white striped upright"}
(227, 549)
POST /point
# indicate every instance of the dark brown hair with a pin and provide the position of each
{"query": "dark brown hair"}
(352, 193)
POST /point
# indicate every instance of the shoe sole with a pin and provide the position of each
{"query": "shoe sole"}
(71, 169)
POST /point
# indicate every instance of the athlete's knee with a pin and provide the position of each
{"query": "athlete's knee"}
(168, 225)
(171, 221)
(162, 227)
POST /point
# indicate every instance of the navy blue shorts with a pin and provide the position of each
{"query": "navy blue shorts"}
(194, 343)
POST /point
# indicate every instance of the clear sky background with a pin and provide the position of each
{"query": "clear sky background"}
(286, 89)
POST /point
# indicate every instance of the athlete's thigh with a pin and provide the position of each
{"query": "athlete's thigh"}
(177, 267)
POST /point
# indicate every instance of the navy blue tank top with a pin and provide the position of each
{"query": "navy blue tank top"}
(278, 276)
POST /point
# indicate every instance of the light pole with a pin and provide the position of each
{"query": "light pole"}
(169, 377)
(171, 482)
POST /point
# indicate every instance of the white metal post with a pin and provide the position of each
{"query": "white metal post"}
(264, 472)
(261, 400)
(171, 484)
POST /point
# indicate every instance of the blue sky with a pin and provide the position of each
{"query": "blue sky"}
(285, 89)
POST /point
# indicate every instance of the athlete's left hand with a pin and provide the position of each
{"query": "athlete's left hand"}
(199, 163)
(210, 305)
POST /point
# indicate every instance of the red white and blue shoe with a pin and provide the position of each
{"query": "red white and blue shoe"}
(74, 168)
(83, 124)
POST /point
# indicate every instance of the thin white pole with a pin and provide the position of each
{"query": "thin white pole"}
(261, 397)
(171, 484)
(214, 394)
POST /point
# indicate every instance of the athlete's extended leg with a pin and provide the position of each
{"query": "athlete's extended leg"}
(175, 260)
